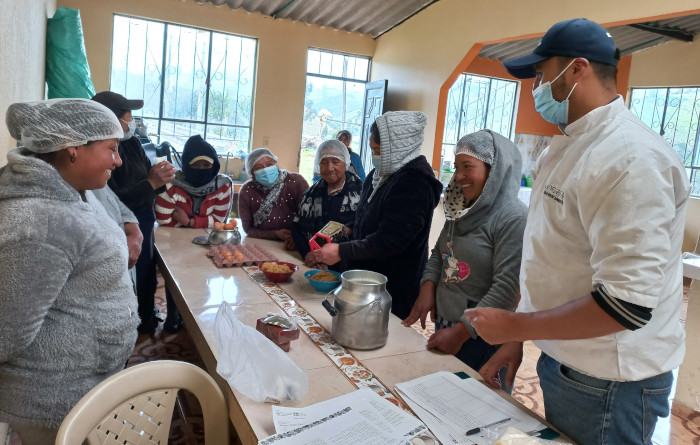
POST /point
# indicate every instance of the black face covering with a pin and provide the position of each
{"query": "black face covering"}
(194, 147)
(199, 177)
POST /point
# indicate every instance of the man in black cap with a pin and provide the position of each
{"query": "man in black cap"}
(601, 281)
(137, 184)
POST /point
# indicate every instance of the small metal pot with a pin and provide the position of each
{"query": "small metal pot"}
(361, 308)
(217, 237)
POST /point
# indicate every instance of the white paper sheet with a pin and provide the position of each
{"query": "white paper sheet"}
(345, 427)
(451, 406)
(375, 409)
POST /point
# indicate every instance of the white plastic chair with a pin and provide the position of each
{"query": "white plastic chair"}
(135, 406)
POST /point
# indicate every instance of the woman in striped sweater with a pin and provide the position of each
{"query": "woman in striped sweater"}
(198, 196)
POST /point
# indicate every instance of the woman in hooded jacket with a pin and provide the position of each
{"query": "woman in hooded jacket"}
(476, 260)
(392, 221)
(198, 196)
(68, 312)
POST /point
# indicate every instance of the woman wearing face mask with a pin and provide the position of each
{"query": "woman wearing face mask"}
(476, 260)
(137, 184)
(270, 198)
(67, 305)
(392, 221)
(198, 196)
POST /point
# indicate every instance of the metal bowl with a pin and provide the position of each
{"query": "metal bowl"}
(217, 237)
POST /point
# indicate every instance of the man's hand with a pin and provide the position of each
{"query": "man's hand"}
(328, 254)
(160, 174)
(134, 241)
(449, 340)
(424, 304)
(495, 326)
(181, 217)
(509, 355)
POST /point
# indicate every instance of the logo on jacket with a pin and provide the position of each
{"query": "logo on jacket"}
(455, 270)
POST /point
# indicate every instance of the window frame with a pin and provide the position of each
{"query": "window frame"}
(205, 122)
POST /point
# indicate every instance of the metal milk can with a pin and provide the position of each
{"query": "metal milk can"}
(360, 310)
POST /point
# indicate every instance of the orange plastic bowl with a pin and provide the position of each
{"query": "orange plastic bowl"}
(279, 277)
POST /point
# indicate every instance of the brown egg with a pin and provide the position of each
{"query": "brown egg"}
(229, 226)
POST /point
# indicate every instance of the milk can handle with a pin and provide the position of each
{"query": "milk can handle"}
(329, 307)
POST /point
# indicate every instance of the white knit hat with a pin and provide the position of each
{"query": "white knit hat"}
(401, 135)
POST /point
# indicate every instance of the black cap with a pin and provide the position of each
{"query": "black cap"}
(570, 38)
(119, 104)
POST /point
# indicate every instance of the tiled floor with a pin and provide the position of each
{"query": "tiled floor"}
(187, 427)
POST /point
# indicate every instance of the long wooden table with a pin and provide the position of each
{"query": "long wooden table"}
(199, 288)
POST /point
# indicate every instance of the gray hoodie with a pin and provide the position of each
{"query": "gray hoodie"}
(68, 313)
(476, 260)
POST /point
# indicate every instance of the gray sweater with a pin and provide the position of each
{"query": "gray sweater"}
(482, 267)
(68, 313)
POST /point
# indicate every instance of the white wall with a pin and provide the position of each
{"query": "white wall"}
(22, 53)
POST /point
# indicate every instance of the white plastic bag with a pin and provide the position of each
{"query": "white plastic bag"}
(252, 364)
(513, 436)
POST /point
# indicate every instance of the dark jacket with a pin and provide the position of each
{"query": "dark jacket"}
(130, 180)
(390, 235)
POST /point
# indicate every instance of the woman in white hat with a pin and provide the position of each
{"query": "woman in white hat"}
(67, 306)
(270, 198)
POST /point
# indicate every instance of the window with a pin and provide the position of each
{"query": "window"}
(476, 103)
(192, 81)
(335, 91)
(675, 114)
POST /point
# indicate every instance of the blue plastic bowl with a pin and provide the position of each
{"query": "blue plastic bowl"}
(323, 286)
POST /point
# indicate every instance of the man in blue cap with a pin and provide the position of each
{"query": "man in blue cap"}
(601, 276)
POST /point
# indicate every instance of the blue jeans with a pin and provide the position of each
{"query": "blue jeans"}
(595, 411)
(475, 352)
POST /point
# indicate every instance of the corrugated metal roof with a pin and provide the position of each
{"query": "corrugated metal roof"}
(373, 17)
(628, 39)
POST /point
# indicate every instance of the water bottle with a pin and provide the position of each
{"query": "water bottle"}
(244, 176)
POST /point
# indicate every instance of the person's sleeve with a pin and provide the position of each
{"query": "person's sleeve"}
(300, 186)
(405, 210)
(220, 201)
(27, 292)
(165, 204)
(505, 283)
(246, 212)
(631, 316)
(630, 212)
(300, 241)
(359, 167)
(127, 215)
(433, 268)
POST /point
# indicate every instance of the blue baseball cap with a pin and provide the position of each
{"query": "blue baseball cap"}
(570, 38)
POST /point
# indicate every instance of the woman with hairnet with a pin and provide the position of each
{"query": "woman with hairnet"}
(476, 260)
(68, 313)
(392, 222)
(269, 200)
(333, 198)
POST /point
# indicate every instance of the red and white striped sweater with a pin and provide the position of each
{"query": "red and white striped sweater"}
(216, 206)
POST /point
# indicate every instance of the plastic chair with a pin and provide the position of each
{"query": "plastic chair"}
(135, 406)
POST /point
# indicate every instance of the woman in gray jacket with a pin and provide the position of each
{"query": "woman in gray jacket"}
(476, 260)
(68, 313)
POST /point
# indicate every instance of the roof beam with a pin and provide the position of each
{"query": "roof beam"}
(674, 33)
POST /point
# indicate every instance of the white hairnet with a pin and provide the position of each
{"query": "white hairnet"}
(51, 125)
(255, 155)
(332, 148)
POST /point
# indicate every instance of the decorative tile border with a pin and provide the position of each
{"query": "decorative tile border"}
(354, 370)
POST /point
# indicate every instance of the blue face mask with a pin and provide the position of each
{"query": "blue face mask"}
(267, 176)
(551, 110)
(377, 162)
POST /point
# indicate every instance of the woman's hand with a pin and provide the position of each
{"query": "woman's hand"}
(310, 260)
(424, 304)
(134, 241)
(283, 234)
(161, 173)
(181, 217)
(289, 244)
(449, 340)
(328, 254)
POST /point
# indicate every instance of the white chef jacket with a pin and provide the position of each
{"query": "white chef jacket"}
(608, 207)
